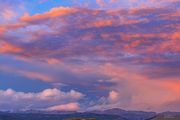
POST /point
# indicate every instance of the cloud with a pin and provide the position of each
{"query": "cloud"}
(41, 100)
(55, 12)
(136, 91)
(100, 2)
(65, 107)
(129, 57)
(28, 74)
(110, 32)
(113, 96)
(9, 48)
(8, 14)
(53, 61)
(10, 11)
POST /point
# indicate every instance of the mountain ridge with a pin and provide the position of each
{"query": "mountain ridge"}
(111, 114)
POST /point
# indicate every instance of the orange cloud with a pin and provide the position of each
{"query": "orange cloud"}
(102, 23)
(53, 61)
(2, 29)
(112, 22)
(172, 85)
(55, 12)
(9, 48)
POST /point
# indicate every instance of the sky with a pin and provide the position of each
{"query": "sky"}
(83, 55)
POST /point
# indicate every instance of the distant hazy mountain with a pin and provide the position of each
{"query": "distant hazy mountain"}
(170, 113)
(39, 116)
(47, 112)
(166, 116)
(110, 114)
(129, 115)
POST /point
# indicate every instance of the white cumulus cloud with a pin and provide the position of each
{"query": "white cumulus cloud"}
(13, 100)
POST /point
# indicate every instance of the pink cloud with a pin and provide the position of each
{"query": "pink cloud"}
(100, 40)
(29, 74)
(9, 14)
(65, 107)
(134, 87)
(139, 91)
(100, 2)
(113, 96)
